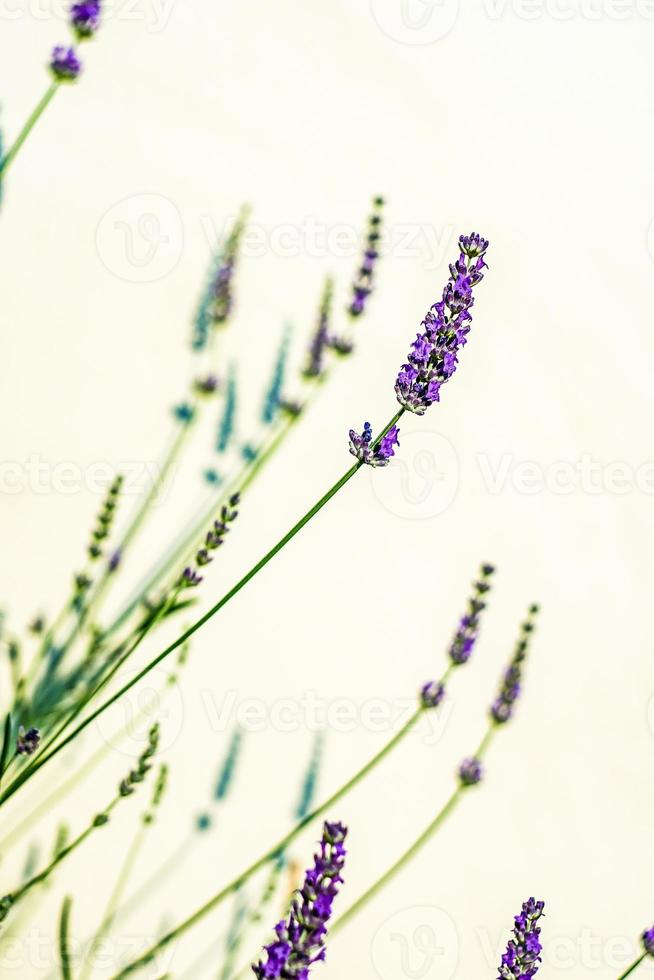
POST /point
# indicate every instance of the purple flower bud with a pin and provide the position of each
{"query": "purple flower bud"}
(64, 64)
(363, 284)
(85, 18)
(206, 386)
(432, 694)
(470, 772)
(502, 707)
(361, 446)
(27, 742)
(190, 578)
(522, 957)
(300, 938)
(433, 356)
(648, 941)
(469, 625)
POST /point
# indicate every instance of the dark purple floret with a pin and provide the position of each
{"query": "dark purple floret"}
(469, 624)
(364, 281)
(206, 386)
(432, 694)
(471, 772)
(433, 356)
(363, 448)
(522, 957)
(85, 18)
(648, 941)
(114, 560)
(502, 707)
(27, 742)
(64, 64)
(189, 578)
(300, 939)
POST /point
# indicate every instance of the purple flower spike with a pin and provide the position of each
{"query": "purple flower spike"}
(648, 941)
(502, 707)
(85, 18)
(433, 357)
(64, 64)
(300, 939)
(471, 772)
(522, 958)
(432, 694)
(469, 624)
(364, 281)
(361, 446)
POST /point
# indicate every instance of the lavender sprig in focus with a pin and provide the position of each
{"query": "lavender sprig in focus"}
(300, 939)
(433, 357)
(522, 957)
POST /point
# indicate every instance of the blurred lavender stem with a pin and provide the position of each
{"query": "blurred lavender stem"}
(32, 120)
(417, 846)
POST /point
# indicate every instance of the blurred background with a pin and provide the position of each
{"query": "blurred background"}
(528, 121)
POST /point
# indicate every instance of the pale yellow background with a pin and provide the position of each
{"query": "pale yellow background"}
(531, 124)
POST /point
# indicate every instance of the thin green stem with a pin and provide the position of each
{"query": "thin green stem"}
(65, 787)
(64, 939)
(634, 966)
(417, 846)
(311, 513)
(272, 853)
(115, 898)
(32, 120)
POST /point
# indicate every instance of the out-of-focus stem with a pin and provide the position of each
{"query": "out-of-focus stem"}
(31, 122)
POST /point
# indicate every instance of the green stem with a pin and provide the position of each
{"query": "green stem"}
(317, 507)
(272, 853)
(417, 846)
(64, 939)
(61, 856)
(63, 788)
(193, 536)
(115, 898)
(634, 966)
(32, 120)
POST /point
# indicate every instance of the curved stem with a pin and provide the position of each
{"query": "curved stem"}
(417, 846)
(32, 120)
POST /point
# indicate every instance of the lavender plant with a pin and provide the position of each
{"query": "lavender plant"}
(522, 957)
(647, 942)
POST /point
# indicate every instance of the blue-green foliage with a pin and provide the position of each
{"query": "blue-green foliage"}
(226, 423)
(274, 390)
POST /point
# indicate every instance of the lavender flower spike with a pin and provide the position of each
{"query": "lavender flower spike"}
(361, 446)
(468, 629)
(300, 939)
(64, 64)
(511, 685)
(522, 958)
(433, 357)
(648, 941)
